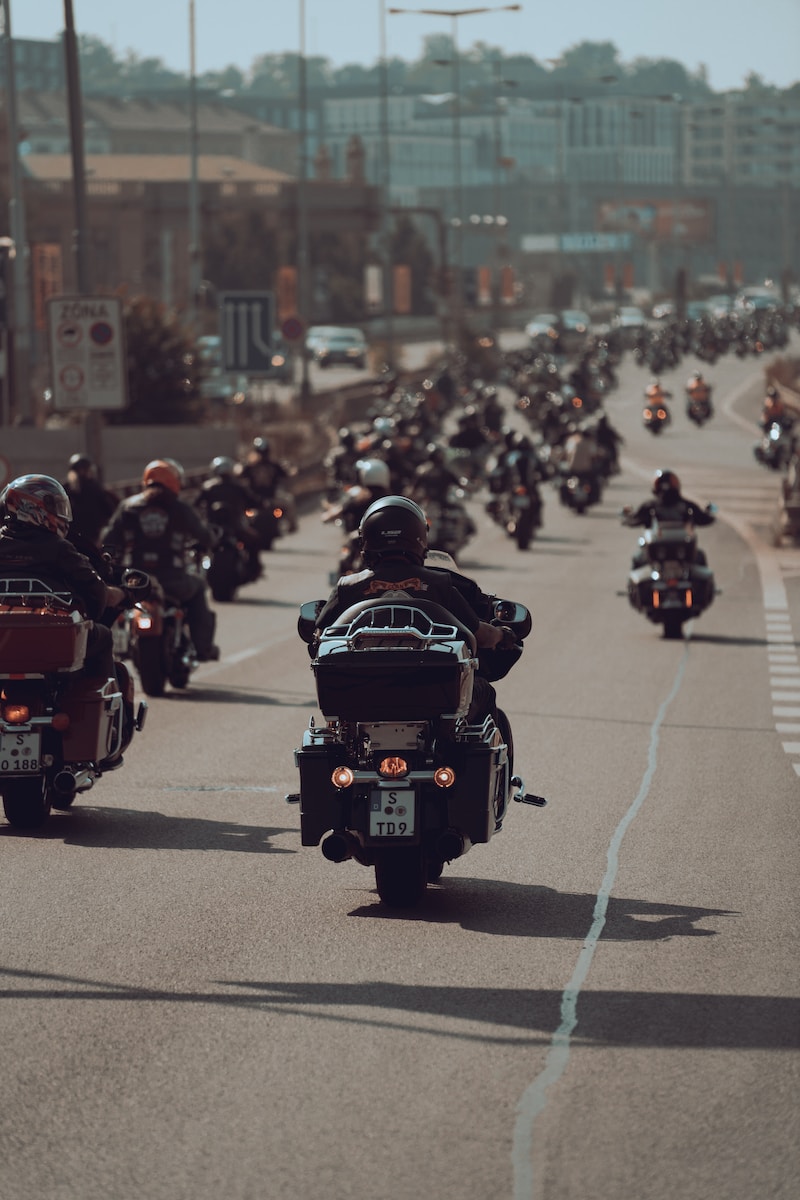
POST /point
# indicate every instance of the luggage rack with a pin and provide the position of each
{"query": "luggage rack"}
(391, 627)
(29, 590)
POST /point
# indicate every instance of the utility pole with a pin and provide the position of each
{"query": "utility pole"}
(20, 315)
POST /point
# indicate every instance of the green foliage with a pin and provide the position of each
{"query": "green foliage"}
(162, 376)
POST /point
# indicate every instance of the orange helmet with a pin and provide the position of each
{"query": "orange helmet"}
(162, 473)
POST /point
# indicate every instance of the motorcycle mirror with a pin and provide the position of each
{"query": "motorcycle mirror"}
(307, 620)
(517, 616)
(135, 581)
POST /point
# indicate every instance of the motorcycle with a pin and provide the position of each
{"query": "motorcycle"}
(396, 778)
(775, 448)
(669, 581)
(154, 633)
(229, 565)
(60, 730)
(266, 523)
(656, 417)
(579, 492)
(698, 407)
(451, 526)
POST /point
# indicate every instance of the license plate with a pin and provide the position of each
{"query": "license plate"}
(391, 813)
(20, 752)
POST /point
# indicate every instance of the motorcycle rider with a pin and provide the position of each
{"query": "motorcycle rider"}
(223, 488)
(698, 391)
(153, 531)
(268, 479)
(394, 539)
(433, 478)
(373, 483)
(36, 515)
(92, 504)
(608, 441)
(668, 504)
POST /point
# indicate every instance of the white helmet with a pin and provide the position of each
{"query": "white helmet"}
(373, 472)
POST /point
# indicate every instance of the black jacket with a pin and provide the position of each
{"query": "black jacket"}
(26, 550)
(678, 509)
(154, 531)
(395, 578)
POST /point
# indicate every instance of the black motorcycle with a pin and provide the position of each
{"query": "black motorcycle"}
(396, 777)
(670, 580)
(229, 565)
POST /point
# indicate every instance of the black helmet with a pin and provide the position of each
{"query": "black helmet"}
(664, 482)
(394, 524)
(81, 462)
(222, 466)
(261, 446)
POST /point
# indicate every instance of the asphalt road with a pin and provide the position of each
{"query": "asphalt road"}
(601, 1004)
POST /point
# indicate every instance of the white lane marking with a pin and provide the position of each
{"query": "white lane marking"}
(231, 660)
(787, 727)
(791, 747)
(534, 1097)
(780, 711)
(787, 696)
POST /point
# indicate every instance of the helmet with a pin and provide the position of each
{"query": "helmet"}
(177, 468)
(38, 500)
(665, 481)
(222, 465)
(396, 524)
(81, 463)
(261, 446)
(385, 426)
(373, 472)
(162, 472)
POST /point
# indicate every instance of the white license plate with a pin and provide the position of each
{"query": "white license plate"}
(391, 813)
(20, 752)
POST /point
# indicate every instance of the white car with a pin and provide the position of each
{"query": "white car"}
(331, 344)
(542, 326)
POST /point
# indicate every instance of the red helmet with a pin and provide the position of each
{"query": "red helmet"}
(665, 481)
(163, 473)
(38, 500)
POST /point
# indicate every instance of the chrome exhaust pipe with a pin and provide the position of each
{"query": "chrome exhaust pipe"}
(338, 847)
(67, 782)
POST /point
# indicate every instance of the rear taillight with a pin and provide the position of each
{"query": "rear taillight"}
(15, 714)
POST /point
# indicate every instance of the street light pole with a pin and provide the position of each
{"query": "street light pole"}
(20, 309)
(303, 281)
(458, 220)
(194, 201)
(386, 175)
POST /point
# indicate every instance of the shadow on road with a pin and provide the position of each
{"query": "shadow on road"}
(130, 829)
(236, 695)
(524, 910)
(605, 1018)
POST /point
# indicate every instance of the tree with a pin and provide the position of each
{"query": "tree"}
(239, 250)
(163, 384)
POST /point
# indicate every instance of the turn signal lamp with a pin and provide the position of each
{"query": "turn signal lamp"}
(444, 777)
(144, 622)
(60, 721)
(662, 412)
(393, 767)
(16, 714)
(647, 414)
(688, 598)
(342, 777)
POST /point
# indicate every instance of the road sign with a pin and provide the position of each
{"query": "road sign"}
(246, 331)
(293, 329)
(87, 352)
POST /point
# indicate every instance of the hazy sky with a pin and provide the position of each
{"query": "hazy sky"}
(731, 37)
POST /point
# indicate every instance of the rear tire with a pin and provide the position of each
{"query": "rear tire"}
(673, 628)
(524, 530)
(151, 666)
(26, 803)
(400, 876)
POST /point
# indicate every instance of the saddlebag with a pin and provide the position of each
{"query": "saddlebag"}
(90, 705)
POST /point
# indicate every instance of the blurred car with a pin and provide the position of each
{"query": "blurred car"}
(542, 326)
(662, 310)
(697, 309)
(330, 344)
(720, 305)
(752, 298)
(573, 329)
(630, 320)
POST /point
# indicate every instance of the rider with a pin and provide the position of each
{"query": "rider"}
(668, 504)
(698, 390)
(153, 531)
(394, 540)
(36, 515)
(92, 504)
(235, 498)
(268, 479)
